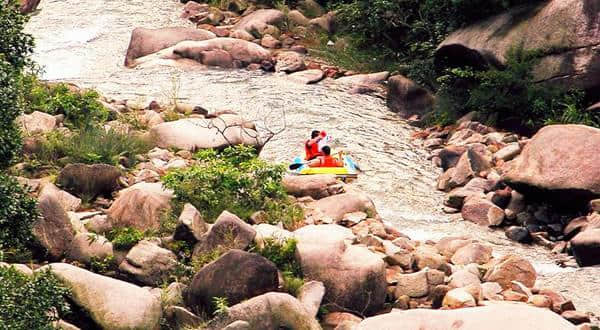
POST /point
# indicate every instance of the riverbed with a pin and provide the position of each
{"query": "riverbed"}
(84, 42)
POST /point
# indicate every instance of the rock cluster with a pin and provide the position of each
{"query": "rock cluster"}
(536, 192)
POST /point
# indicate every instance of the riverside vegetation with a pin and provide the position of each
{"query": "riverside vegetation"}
(102, 201)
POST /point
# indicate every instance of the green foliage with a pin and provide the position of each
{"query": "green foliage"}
(509, 97)
(102, 265)
(81, 109)
(221, 306)
(30, 302)
(91, 145)
(15, 48)
(125, 238)
(234, 180)
(282, 253)
(18, 213)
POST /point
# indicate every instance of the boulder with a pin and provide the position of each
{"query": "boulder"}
(457, 196)
(316, 186)
(148, 263)
(569, 28)
(37, 122)
(365, 79)
(140, 206)
(414, 285)
(325, 23)
(237, 276)
(450, 156)
(511, 268)
(509, 152)
(562, 173)
(338, 320)
(482, 212)
(290, 62)
(407, 98)
(472, 253)
(353, 276)
(462, 278)
(498, 316)
(53, 230)
(258, 21)
(89, 180)
(427, 256)
(66, 200)
(111, 303)
(28, 6)
(266, 231)
(194, 133)
(180, 318)
(297, 18)
(307, 76)
(311, 295)
(272, 310)
(469, 165)
(268, 41)
(491, 291)
(86, 247)
(190, 225)
(147, 41)
(586, 247)
(447, 246)
(229, 232)
(458, 298)
(336, 206)
(209, 52)
(518, 234)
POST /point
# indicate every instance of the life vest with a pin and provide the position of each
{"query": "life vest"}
(312, 151)
(329, 161)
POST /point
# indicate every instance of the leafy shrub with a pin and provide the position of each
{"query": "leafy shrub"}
(30, 302)
(18, 213)
(91, 145)
(102, 265)
(125, 238)
(234, 179)
(509, 97)
(15, 48)
(282, 254)
(81, 109)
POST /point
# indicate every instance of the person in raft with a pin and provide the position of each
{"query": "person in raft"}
(311, 147)
(326, 160)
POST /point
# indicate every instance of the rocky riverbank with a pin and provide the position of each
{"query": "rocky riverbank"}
(375, 248)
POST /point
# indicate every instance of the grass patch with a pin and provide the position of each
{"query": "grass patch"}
(282, 254)
(92, 145)
(125, 238)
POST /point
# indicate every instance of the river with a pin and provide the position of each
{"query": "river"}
(84, 42)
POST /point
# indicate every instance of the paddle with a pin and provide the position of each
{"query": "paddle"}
(296, 166)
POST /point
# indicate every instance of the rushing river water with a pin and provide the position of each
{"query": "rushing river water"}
(84, 42)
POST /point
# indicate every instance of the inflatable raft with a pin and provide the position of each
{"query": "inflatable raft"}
(350, 169)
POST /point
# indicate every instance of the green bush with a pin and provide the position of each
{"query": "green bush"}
(18, 213)
(509, 97)
(91, 145)
(282, 254)
(234, 180)
(15, 49)
(81, 109)
(125, 238)
(30, 302)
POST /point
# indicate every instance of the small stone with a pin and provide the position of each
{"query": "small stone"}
(491, 291)
(576, 317)
(472, 253)
(518, 234)
(458, 298)
(437, 295)
(541, 301)
(412, 285)
(511, 295)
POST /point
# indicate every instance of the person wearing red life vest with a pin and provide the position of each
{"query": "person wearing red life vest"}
(326, 160)
(311, 147)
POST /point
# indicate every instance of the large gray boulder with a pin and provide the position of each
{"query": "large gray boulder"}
(560, 162)
(194, 133)
(407, 98)
(316, 186)
(270, 311)
(336, 206)
(237, 276)
(241, 51)
(86, 247)
(37, 122)
(111, 303)
(53, 230)
(257, 22)
(147, 41)
(140, 206)
(89, 180)
(228, 232)
(568, 27)
(148, 263)
(499, 316)
(353, 276)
